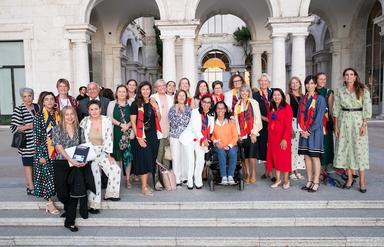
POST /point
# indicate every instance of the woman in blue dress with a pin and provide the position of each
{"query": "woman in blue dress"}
(311, 143)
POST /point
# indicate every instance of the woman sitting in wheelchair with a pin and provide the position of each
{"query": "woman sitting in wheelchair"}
(225, 138)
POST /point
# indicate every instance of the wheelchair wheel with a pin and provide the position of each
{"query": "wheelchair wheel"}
(241, 181)
(241, 185)
(210, 180)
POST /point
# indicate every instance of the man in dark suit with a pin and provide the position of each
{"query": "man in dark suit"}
(82, 111)
(93, 93)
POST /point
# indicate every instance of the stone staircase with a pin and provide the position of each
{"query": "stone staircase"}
(201, 223)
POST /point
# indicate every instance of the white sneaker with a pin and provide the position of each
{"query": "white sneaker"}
(231, 181)
(299, 176)
(293, 176)
(224, 181)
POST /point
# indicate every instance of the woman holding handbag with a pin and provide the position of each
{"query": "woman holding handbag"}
(22, 121)
(118, 111)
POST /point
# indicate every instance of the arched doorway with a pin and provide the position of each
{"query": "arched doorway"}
(215, 66)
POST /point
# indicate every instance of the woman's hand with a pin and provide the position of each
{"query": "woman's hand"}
(25, 127)
(304, 134)
(205, 143)
(76, 163)
(154, 104)
(336, 131)
(142, 142)
(43, 161)
(112, 161)
(253, 138)
(283, 144)
(124, 127)
(363, 129)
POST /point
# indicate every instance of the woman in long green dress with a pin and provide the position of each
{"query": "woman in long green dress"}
(351, 110)
(328, 94)
(119, 112)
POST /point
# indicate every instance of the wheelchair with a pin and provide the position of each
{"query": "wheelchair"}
(213, 167)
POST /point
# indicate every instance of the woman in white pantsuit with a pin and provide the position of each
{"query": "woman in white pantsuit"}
(98, 131)
(195, 140)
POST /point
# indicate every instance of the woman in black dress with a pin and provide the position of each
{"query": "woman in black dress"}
(145, 119)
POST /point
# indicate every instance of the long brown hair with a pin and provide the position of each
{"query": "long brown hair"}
(290, 82)
(63, 126)
(359, 87)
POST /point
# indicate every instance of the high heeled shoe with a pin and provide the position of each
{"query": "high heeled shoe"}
(345, 186)
(314, 188)
(55, 211)
(307, 186)
(30, 192)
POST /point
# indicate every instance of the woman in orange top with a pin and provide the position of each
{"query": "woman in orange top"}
(225, 138)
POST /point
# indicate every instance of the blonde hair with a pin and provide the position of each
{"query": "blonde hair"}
(63, 125)
(266, 76)
(245, 87)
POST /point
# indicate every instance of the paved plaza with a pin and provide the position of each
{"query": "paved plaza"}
(257, 216)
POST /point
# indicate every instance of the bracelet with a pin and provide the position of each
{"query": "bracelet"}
(119, 124)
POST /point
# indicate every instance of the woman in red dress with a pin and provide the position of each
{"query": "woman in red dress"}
(279, 138)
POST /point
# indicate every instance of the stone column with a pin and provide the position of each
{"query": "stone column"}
(269, 62)
(256, 67)
(335, 47)
(117, 54)
(189, 60)
(298, 55)
(380, 21)
(169, 62)
(79, 36)
(278, 61)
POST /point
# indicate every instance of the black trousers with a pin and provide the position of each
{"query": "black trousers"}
(70, 215)
(62, 171)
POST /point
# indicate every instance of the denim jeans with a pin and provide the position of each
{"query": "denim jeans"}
(222, 155)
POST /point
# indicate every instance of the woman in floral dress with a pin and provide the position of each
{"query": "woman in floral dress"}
(351, 110)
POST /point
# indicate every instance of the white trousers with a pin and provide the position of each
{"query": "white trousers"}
(179, 162)
(112, 171)
(194, 155)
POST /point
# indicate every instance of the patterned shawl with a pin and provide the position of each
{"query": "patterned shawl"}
(245, 117)
(50, 121)
(140, 123)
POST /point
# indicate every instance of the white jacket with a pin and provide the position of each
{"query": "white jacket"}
(193, 130)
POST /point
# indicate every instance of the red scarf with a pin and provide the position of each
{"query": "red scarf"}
(205, 128)
(306, 123)
(245, 118)
(140, 123)
(265, 99)
(189, 101)
(216, 98)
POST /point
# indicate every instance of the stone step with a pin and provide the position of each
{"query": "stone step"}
(204, 205)
(168, 236)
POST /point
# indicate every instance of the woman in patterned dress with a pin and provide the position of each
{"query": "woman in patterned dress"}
(43, 170)
(22, 120)
(351, 110)
(98, 131)
(119, 111)
(293, 98)
(179, 116)
(311, 113)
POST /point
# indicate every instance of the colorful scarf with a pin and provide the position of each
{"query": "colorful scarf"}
(140, 123)
(245, 117)
(306, 123)
(217, 98)
(50, 121)
(205, 129)
(189, 101)
(235, 98)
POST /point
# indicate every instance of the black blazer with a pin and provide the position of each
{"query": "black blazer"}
(82, 110)
(260, 100)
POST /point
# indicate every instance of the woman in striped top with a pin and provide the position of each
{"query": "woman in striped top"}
(22, 119)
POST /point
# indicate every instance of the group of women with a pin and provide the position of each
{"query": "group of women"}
(286, 131)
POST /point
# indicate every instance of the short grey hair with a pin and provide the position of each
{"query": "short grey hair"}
(28, 90)
(159, 81)
(266, 76)
(246, 87)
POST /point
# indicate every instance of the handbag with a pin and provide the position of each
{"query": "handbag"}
(167, 153)
(19, 140)
(167, 177)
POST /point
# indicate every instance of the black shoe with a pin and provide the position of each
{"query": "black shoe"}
(314, 188)
(30, 192)
(185, 181)
(273, 179)
(63, 215)
(198, 187)
(345, 186)
(72, 228)
(93, 211)
(112, 199)
(264, 176)
(179, 184)
(190, 188)
(305, 186)
(363, 190)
